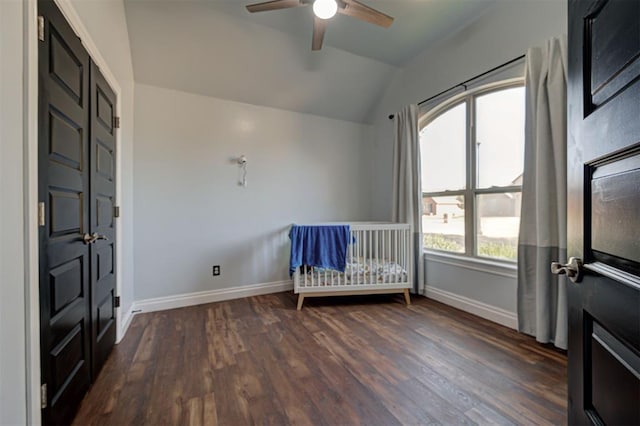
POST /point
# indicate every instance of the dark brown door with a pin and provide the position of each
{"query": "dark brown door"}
(604, 211)
(102, 194)
(76, 190)
(64, 189)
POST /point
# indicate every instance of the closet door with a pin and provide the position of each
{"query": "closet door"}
(76, 190)
(63, 126)
(103, 193)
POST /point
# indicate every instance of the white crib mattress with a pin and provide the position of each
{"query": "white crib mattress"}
(357, 271)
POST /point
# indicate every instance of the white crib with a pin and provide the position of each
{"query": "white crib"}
(379, 261)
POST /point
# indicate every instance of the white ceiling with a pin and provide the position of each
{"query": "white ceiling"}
(217, 48)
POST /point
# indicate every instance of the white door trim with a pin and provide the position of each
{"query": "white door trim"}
(31, 187)
(32, 308)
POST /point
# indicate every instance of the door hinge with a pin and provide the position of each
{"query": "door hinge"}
(43, 396)
(116, 302)
(41, 28)
(41, 215)
(116, 211)
(116, 122)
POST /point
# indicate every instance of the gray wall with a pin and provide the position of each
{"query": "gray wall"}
(13, 382)
(488, 284)
(190, 212)
(502, 33)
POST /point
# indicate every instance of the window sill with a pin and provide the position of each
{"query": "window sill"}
(503, 269)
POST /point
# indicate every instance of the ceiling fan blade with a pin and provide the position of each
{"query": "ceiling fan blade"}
(319, 27)
(365, 13)
(274, 5)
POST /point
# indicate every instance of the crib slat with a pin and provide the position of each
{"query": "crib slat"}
(362, 278)
(378, 247)
(384, 248)
(390, 252)
(398, 261)
(355, 275)
(404, 248)
(353, 235)
(360, 255)
(369, 262)
(403, 263)
(392, 261)
(404, 251)
(409, 256)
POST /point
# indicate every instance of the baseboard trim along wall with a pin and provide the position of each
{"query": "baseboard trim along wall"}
(210, 296)
(491, 313)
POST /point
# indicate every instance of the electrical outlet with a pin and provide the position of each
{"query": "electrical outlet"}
(216, 270)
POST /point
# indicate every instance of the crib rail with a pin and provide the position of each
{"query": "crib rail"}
(379, 257)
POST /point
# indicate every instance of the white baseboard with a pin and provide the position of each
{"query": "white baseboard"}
(202, 297)
(483, 310)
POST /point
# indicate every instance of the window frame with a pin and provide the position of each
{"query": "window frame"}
(471, 190)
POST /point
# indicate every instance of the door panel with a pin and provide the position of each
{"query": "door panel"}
(63, 187)
(66, 141)
(617, 367)
(603, 225)
(614, 202)
(66, 285)
(613, 54)
(65, 66)
(103, 192)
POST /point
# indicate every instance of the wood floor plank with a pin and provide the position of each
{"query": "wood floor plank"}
(353, 361)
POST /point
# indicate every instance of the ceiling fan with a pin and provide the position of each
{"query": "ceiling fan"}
(324, 10)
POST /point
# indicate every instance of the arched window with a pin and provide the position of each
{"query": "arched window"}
(472, 149)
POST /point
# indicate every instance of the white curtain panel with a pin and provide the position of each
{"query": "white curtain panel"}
(407, 184)
(542, 296)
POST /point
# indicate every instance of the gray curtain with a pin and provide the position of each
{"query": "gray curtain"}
(407, 186)
(542, 297)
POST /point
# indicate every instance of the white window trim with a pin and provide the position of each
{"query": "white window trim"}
(471, 261)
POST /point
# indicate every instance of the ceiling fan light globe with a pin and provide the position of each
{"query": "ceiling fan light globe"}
(325, 9)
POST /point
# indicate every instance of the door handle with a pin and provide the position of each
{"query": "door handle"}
(92, 238)
(573, 269)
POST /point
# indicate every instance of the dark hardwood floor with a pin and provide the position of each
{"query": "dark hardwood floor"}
(339, 361)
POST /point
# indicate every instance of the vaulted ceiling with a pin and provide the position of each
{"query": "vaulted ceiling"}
(217, 48)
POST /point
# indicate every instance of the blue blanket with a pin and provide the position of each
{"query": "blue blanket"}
(323, 246)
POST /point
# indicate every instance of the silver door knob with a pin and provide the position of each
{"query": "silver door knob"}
(573, 269)
(92, 238)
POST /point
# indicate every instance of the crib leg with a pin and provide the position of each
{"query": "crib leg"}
(300, 300)
(407, 298)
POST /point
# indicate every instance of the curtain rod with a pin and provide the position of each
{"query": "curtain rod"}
(464, 83)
